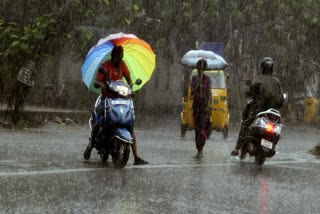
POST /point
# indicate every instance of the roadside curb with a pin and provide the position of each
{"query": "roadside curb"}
(50, 114)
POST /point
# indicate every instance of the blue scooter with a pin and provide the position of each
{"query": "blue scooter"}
(114, 136)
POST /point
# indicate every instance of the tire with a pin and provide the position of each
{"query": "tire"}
(104, 158)
(243, 151)
(260, 158)
(225, 133)
(121, 155)
(48, 97)
(183, 131)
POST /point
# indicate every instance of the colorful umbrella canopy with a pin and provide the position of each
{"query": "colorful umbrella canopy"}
(214, 61)
(137, 54)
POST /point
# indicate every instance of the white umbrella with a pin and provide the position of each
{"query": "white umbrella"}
(214, 61)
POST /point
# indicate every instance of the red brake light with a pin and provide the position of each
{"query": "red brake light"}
(270, 128)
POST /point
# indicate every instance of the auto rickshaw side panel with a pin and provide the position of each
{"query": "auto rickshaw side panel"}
(187, 113)
(311, 106)
(219, 109)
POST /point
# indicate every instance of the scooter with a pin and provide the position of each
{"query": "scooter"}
(262, 136)
(114, 136)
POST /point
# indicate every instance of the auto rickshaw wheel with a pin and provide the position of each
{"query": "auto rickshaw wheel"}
(225, 132)
(183, 130)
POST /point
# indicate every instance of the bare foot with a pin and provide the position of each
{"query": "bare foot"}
(199, 155)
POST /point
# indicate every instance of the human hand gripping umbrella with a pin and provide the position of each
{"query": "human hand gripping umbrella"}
(214, 61)
(137, 54)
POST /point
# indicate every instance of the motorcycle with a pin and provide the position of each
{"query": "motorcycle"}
(262, 136)
(114, 136)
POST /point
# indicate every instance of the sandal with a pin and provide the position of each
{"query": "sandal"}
(235, 152)
(87, 152)
(199, 156)
(140, 161)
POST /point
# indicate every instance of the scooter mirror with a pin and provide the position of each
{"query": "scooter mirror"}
(138, 81)
(285, 96)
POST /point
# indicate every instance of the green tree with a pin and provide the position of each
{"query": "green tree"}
(287, 30)
(35, 31)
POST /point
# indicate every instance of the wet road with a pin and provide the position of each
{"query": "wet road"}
(42, 171)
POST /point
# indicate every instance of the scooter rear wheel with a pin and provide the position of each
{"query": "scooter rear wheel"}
(260, 158)
(243, 151)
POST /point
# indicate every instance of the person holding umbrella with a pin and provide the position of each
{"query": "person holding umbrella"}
(113, 69)
(201, 92)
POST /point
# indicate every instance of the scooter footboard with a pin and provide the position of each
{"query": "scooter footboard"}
(123, 134)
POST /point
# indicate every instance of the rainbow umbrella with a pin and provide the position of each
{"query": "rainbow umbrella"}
(137, 54)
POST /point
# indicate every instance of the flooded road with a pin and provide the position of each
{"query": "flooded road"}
(43, 171)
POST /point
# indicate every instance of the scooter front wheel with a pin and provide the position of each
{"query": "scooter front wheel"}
(121, 155)
(104, 158)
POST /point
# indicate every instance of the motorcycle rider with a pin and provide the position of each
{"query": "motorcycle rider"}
(266, 92)
(112, 69)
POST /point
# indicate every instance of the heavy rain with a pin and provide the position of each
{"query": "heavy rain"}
(157, 106)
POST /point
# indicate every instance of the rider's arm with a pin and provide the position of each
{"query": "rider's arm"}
(99, 82)
(126, 74)
(129, 81)
(255, 90)
(250, 92)
(281, 101)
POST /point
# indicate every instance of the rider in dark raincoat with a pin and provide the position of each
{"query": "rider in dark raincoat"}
(266, 92)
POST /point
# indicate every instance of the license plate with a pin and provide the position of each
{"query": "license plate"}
(120, 102)
(266, 143)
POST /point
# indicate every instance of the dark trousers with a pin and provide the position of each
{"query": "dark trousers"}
(200, 139)
(248, 115)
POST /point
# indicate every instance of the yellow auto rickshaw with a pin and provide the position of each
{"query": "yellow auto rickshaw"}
(219, 103)
(305, 108)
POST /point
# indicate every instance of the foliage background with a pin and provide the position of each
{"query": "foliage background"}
(39, 30)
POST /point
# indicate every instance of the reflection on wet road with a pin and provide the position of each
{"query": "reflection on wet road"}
(42, 171)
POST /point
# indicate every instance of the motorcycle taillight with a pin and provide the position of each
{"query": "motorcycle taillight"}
(270, 128)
